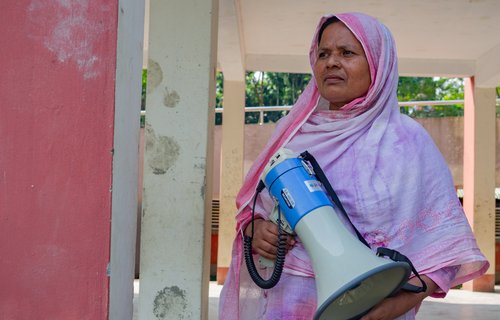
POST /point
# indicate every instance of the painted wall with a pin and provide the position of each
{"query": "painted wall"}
(447, 133)
(56, 140)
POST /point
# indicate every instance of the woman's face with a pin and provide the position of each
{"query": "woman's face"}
(341, 69)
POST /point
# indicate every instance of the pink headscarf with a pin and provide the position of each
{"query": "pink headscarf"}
(386, 170)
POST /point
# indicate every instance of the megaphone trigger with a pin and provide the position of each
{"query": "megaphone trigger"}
(277, 216)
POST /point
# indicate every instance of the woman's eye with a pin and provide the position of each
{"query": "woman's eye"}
(348, 53)
(322, 55)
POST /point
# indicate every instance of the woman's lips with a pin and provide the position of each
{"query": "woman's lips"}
(333, 79)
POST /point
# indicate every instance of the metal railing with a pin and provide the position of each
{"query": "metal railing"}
(260, 110)
(263, 109)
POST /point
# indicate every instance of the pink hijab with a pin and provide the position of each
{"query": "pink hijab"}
(386, 170)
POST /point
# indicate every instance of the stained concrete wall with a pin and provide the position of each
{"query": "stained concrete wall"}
(175, 235)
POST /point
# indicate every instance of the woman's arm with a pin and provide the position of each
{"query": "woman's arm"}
(393, 307)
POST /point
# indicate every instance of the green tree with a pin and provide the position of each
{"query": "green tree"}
(421, 89)
(272, 89)
(219, 94)
(498, 106)
(143, 95)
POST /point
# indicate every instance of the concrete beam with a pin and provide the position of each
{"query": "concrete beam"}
(488, 69)
(278, 63)
(230, 41)
(409, 67)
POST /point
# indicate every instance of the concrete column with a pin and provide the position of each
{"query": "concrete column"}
(175, 235)
(479, 174)
(232, 152)
(128, 88)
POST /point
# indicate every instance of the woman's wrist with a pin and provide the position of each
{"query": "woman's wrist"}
(402, 302)
(248, 229)
(412, 299)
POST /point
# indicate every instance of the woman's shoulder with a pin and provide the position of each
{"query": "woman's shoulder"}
(409, 135)
(417, 139)
(413, 129)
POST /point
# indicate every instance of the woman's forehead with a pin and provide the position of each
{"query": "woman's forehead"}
(337, 34)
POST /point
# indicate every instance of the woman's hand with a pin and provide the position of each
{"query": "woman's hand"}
(265, 238)
(393, 307)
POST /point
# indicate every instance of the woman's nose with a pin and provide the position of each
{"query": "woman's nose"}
(333, 61)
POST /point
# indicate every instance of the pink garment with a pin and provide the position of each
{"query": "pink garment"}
(386, 170)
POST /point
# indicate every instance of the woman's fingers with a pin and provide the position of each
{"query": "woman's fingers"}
(265, 239)
(290, 241)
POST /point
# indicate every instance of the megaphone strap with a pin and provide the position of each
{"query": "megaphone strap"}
(399, 257)
(324, 180)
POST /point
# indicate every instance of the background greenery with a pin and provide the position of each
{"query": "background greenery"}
(282, 89)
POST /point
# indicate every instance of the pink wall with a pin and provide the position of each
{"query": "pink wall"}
(447, 133)
(56, 132)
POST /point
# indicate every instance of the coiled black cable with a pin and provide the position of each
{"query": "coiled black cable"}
(280, 255)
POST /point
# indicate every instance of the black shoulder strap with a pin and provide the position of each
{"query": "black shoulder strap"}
(324, 180)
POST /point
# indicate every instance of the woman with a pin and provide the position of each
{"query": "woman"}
(386, 170)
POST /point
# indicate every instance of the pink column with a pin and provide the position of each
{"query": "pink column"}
(57, 62)
(479, 174)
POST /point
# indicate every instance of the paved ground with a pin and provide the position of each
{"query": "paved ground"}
(458, 305)
(462, 305)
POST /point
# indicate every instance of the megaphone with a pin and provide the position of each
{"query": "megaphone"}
(350, 277)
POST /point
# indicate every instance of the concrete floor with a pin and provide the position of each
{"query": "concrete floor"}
(458, 305)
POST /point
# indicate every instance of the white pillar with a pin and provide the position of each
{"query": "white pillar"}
(125, 158)
(231, 178)
(178, 165)
(479, 174)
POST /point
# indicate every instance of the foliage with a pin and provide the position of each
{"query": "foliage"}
(219, 93)
(143, 95)
(283, 89)
(266, 89)
(144, 86)
(272, 89)
(498, 106)
(422, 89)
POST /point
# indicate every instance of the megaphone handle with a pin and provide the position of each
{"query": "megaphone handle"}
(324, 180)
(280, 255)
